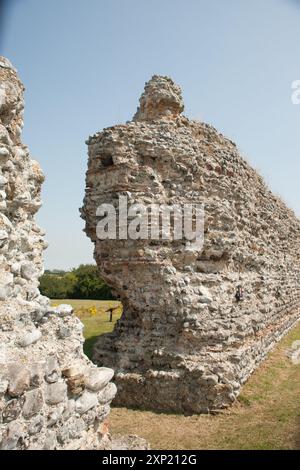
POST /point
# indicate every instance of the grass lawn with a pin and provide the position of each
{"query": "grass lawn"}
(94, 316)
(266, 416)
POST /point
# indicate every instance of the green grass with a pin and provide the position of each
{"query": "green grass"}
(266, 415)
(96, 321)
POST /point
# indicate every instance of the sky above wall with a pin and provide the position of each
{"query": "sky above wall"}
(84, 65)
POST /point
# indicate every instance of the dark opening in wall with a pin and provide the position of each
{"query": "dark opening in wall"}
(107, 160)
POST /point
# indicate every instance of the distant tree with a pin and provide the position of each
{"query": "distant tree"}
(81, 283)
(89, 284)
(56, 272)
(54, 287)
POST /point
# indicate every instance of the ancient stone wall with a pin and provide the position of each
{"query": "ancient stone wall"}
(185, 343)
(51, 395)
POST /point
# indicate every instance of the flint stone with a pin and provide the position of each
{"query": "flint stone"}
(30, 338)
(107, 394)
(64, 332)
(15, 269)
(55, 415)
(52, 372)
(12, 410)
(36, 425)
(33, 403)
(205, 300)
(69, 409)
(5, 292)
(62, 435)
(90, 416)
(76, 426)
(3, 233)
(86, 402)
(103, 412)
(36, 374)
(12, 437)
(28, 271)
(205, 295)
(2, 195)
(56, 393)
(33, 293)
(4, 153)
(208, 380)
(50, 441)
(96, 379)
(3, 205)
(19, 380)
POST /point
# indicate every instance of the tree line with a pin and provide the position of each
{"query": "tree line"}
(79, 283)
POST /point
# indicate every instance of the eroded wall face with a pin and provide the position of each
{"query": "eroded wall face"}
(51, 395)
(185, 343)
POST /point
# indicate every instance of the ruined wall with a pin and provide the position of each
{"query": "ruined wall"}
(184, 343)
(51, 395)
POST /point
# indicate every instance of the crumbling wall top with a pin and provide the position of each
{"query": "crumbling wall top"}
(162, 98)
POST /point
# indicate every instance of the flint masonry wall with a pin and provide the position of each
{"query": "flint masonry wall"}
(184, 343)
(51, 395)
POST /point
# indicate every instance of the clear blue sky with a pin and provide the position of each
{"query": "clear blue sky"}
(84, 64)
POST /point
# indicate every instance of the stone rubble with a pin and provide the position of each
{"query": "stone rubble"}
(41, 405)
(185, 342)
